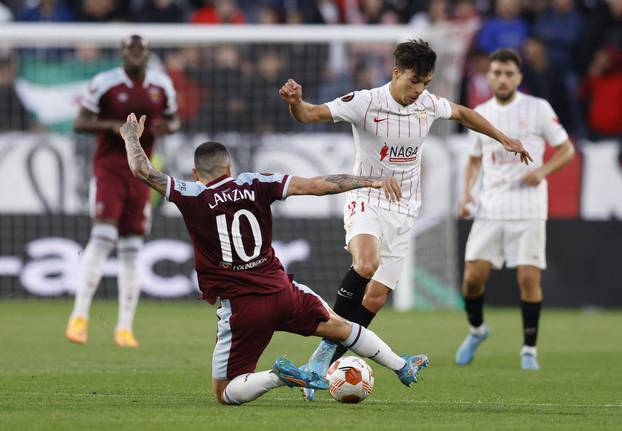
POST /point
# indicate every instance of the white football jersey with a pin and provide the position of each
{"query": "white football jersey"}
(503, 195)
(388, 138)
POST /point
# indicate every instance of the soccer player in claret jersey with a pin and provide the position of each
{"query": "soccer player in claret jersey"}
(121, 204)
(230, 224)
(511, 210)
(389, 125)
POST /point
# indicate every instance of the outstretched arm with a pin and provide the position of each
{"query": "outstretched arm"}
(474, 121)
(303, 112)
(140, 165)
(332, 184)
(87, 122)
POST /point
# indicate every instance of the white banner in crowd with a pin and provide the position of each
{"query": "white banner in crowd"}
(40, 173)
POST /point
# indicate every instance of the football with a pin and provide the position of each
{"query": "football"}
(351, 380)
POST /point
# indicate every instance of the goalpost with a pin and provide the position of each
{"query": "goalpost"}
(226, 78)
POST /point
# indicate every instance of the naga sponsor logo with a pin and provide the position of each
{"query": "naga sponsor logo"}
(399, 154)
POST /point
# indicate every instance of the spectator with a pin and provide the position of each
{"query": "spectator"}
(476, 89)
(99, 11)
(437, 11)
(47, 11)
(219, 12)
(226, 107)
(505, 30)
(377, 12)
(5, 13)
(604, 28)
(560, 28)
(13, 115)
(601, 90)
(267, 110)
(465, 10)
(160, 11)
(542, 79)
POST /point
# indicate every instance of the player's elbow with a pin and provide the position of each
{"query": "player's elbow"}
(140, 170)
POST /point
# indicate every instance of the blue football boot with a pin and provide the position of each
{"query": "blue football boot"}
(295, 377)
(466, 351)
(319, 362)
(414, 364)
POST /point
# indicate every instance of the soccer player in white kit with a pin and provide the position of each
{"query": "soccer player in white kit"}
(389, 125)
(511, 210)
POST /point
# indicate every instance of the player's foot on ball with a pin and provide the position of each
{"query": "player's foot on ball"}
(125, 338)
(466, 351)
(529, 359)
(319, 362)
(77, 330)
(293, 376)
(414, 364)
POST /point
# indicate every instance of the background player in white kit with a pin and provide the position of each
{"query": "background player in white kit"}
(511, 211)
(389, 125)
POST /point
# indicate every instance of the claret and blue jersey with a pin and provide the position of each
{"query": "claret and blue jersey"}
(230, 224)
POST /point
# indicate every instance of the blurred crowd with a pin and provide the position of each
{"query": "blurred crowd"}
(572, 53)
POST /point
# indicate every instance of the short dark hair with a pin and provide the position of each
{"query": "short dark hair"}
(416, 55)
(211, 158)
(506, 54)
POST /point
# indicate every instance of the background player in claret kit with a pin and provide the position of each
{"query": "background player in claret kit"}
(510, 220)
(389, 125)
(230, 224)
(122, 207)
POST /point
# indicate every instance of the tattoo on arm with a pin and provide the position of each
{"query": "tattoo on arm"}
(141, 167)
(343, 183)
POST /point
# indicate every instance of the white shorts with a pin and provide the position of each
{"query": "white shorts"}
(393, 231)
(515, 242)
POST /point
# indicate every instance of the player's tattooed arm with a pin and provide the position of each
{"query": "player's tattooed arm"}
(339, 183)
(139, 163)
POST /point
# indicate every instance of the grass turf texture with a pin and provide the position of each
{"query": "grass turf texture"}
(49, 384)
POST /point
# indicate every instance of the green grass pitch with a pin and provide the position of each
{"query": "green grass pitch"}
(46, 383)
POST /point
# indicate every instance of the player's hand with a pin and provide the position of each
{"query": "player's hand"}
(533, 178)
(291, 92)
(465, 205)
(133, 128)
(391, 188)
(515, 146)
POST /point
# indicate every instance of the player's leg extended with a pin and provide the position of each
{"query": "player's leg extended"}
(102, 241)
(529, 283)
(365, 251)
(128, 249)
(476, 274)
(366, 343)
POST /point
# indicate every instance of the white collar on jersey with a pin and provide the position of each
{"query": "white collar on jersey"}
(127, 81)
(394, 103)
(517, 97)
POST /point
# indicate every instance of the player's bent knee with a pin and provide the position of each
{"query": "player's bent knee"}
(366, 268)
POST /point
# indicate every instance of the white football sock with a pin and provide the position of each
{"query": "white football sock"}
(129, 281)
(249, 387)
(366, 343)
(101, 243)
(480, 331)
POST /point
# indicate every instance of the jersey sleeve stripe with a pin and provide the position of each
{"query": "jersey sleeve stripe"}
(286, 187)
(168, 187)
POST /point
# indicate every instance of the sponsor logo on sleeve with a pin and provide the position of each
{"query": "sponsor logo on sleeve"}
(347, 97)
